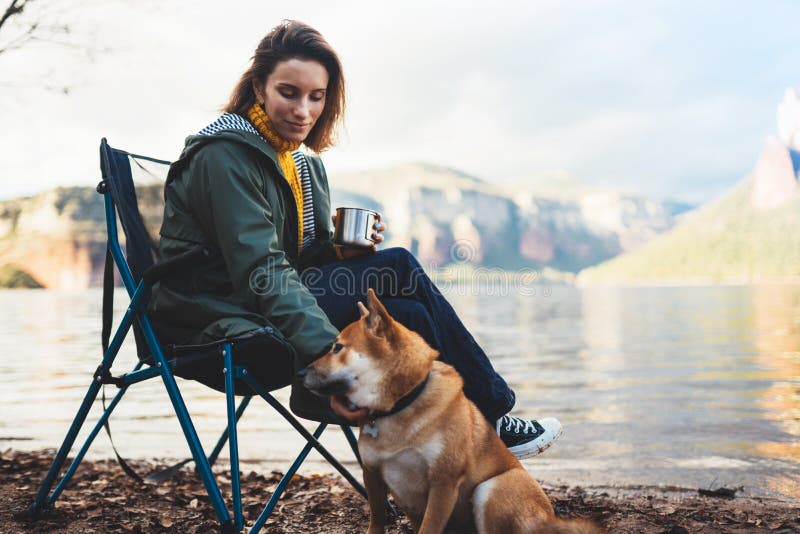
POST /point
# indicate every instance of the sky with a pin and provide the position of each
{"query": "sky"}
(670, 100)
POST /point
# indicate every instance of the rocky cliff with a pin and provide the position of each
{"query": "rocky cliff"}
(443, 215)
(58, 238)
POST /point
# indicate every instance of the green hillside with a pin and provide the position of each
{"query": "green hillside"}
(725, 241)
(14, 278)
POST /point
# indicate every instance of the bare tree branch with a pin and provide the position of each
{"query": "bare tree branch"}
(42, 28)
(20, 39)
(47, 25)
(14, 8)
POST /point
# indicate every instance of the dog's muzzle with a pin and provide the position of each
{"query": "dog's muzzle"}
(324, 385)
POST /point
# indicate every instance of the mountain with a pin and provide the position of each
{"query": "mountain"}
(54, 237)
(750, 234)
(57, 239)
(446, 216)
(443, 215)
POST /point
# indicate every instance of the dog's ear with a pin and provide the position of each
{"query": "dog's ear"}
(373, 319)
(378, 319)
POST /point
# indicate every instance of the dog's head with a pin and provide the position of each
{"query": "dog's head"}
(373, 362)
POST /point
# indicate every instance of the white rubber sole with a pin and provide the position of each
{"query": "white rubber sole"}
(552, 431)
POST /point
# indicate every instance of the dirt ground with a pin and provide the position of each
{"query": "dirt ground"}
(102, 499)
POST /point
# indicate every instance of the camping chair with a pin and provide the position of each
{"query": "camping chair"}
(139, 272)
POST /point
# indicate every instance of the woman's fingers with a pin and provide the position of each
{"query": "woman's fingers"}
(379, 225)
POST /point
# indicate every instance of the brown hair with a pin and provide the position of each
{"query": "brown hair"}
(295, 40)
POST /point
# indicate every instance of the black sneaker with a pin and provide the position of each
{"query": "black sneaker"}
(527, 438)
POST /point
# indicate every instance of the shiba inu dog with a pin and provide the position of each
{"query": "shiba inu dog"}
(422, 439)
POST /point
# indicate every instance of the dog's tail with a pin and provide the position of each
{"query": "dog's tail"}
(568, 526)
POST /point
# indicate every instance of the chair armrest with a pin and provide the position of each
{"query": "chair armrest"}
(177, 264)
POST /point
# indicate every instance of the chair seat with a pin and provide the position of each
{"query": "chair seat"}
(204, 362)
(265, 354)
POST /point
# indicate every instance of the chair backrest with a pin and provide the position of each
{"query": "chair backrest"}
(140, 244)
(140, 248)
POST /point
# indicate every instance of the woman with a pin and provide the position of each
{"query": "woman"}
(242, 187)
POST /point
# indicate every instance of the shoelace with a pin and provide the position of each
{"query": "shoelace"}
(521, 426)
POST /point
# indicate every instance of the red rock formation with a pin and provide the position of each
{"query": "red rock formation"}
(774, 179)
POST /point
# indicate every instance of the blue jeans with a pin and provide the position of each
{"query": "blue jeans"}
(411, 298)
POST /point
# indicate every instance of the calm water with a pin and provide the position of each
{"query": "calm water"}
(655, 386)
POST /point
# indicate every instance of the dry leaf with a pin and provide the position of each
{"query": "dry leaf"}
(99, 484)
(664, 509)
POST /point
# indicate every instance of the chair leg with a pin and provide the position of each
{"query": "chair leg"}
(281, 409)
(352, 440)
(200, 459)
(80, 417)
(89, 440)
(199, 456)
(233, 441)
(66, 446)
(212, 458)
(276, 495)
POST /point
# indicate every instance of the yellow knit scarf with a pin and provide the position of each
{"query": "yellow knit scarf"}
(283, 149)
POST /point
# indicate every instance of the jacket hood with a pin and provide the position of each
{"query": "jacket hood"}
(231, 127)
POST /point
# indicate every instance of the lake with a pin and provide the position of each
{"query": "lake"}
(687, 386)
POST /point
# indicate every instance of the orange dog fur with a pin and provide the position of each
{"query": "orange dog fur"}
(439, 458)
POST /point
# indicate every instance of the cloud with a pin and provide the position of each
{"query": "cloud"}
(660, 98)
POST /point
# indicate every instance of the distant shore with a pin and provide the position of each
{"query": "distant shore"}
(521, 281)
(101, 498)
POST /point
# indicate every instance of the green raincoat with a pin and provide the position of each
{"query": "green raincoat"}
(228, 192)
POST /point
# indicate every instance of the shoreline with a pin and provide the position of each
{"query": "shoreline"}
(528, 280)
(101, 498)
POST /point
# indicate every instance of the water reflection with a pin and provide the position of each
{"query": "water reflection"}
(776, 315)
(683, 386)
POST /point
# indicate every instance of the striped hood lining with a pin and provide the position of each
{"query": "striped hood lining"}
(232, 121)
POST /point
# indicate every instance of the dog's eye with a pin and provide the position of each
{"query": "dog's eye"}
(337, 347)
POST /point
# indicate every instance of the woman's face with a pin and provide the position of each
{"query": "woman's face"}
(294, 97)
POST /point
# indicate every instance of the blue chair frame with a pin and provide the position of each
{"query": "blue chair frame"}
(136, 316)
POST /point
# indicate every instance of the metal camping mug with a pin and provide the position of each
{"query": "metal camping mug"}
(354, 227)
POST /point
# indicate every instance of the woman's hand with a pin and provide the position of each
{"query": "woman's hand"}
(352, 252)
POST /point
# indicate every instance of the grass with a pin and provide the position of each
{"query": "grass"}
(725, 241)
